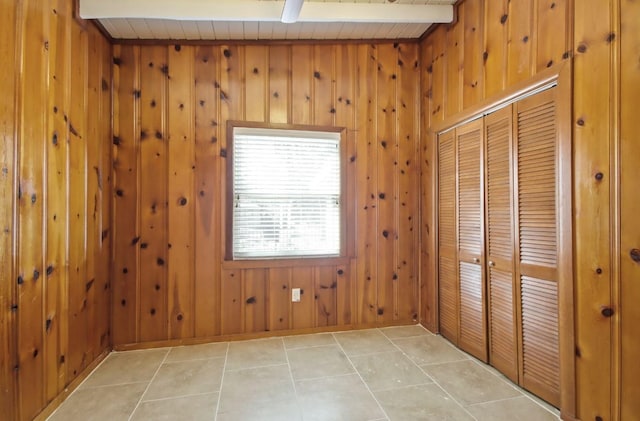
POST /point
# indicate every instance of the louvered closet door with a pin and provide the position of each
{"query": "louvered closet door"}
(472, 334)
(447, 256)
(503, 345)
(537, 222)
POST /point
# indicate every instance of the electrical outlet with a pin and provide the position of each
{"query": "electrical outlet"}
(295, 295)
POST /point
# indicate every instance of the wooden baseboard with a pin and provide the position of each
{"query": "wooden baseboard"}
(431, 328)
(57, 401)
(258, 335)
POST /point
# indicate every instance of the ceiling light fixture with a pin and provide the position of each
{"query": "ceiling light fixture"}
(291, 11)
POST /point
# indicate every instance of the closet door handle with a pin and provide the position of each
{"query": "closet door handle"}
(476, 260)
(491, 263)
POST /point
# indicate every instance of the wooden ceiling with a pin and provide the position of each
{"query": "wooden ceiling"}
(260, 19)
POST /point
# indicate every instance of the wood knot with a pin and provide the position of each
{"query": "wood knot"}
(635, 255)
(607, 311)
(251, 300)
(152, 311)
(183, 201)
(599, 176)
(177, 47)
(160, 261)
(381, 196)
(599, 271)
(340, 272)
(503, 18)
(125, 270)
(179, 317)
(385, 234)
(227, 53)
(582, 48)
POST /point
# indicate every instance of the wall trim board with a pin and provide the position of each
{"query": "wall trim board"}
(58, 400)
(259, 335)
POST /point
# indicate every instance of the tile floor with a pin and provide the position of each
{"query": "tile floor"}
(396, 373)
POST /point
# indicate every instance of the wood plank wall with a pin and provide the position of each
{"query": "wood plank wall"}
(496, 44)
(606, 156)
(55, 212)
(170, 149)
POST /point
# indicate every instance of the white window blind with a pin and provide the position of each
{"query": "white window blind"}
(286, 193)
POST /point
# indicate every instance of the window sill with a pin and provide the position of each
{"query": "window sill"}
(279, 263)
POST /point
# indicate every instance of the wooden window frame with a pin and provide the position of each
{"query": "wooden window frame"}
(345, 253)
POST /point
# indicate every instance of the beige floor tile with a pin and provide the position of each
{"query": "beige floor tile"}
(197, 352)
(424, 402)
(337, 398)
(274, 411)
(253, 388)
(521, 409)
(304, 341)
(192, 408)
(469, 383)
(127, 367)
(429, 349)
(395, 332)
(255, 353)
(318, 361)
(186, 378)
(389, 370)
(107, 403)
(360, 342)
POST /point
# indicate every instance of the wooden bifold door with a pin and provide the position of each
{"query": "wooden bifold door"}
(498, 254)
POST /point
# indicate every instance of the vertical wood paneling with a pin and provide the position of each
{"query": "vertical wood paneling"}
(630, 207)
(153, 198)
(31, 207)
(254, 301)
(202, 89)
(367, 176)
(56, 258)
(406, 278)
(232, 320)
(551, 15)
(126, 150)
(345, 74)
(232, 107)
(181, 166)
(78, 173)
(495, 46)
(471, 61)
(303, 313)
(279, 299)
(323, 85)
(521, 22)
(8, 149)
(93, 205)
(387, 144)
(52, 266)
(256, 78)
(428, 293)
(105, 184)
(207, 190)
(279, 64)
(325, 286)
(592, 125)
(438, 79)
(454, 66)
(301, 68)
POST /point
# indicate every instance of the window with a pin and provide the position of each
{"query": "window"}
(286, 193)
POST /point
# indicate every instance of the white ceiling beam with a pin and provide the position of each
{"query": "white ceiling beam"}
(265, 11)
